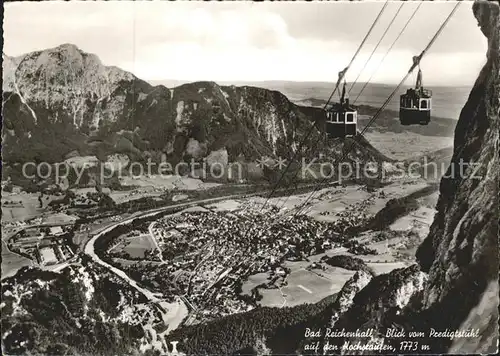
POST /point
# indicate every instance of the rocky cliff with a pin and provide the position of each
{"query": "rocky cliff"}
(82, 311)
(460, 254)
(459, 258)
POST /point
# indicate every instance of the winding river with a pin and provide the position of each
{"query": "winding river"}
(177, 311)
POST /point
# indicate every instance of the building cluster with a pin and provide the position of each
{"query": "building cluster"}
(21, 224)
(211, 253)
(47, 245)
(84, 201)
(14, 224)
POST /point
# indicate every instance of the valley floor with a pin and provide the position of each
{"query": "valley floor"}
(199, 284)
(401, 146)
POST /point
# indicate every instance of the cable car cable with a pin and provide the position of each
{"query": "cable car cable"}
(376, 46)
(416, 62)
(387, 53)
(380, 40)
(341, 76)
(357, 52)
(293, 189)
(414, 65)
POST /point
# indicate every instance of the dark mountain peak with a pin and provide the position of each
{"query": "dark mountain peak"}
(486, 16)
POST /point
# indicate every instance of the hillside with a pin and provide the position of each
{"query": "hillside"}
(459, 258)
(63, 102)
(78, 312)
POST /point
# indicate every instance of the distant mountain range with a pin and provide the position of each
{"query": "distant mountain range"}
(63, 102)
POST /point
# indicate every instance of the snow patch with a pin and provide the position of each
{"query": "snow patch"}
(83, 277)
(351, 288)
(272, 134)
(179, 197)
(178, 119)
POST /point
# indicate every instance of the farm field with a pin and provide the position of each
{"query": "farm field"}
(135, 246)
(404, 145)
(12, 262)
(311, 286)
(166, 182)
(26, 206)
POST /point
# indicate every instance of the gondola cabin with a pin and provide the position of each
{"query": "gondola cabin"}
(341, 121)
(415, 105)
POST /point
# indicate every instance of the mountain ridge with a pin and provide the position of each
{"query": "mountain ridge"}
(62, 101)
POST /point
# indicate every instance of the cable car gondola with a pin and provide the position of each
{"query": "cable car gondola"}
(341, 119)
(415, 104)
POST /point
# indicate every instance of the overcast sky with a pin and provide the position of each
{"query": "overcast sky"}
(252, 41)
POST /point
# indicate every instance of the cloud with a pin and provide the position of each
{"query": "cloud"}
(248, 41)
(223, 28)
(351, 21)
